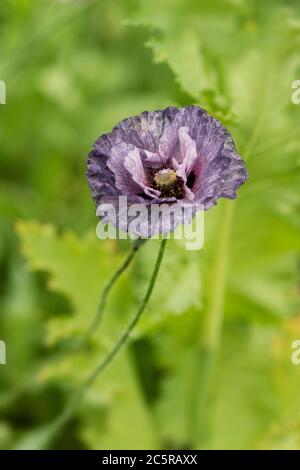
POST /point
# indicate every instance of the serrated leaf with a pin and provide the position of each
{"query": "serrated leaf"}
(181, 51)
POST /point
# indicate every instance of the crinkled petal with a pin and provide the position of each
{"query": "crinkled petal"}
(123, 179)
(143, 131)
(134, 166)
(152, 160)
(169, 145)
(188, 153)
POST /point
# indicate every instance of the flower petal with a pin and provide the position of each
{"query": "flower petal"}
(188, 153)
(169, 147)
(123, 178)
(152, 160)
(134, 166)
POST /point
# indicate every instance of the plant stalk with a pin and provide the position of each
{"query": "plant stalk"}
(43, 437)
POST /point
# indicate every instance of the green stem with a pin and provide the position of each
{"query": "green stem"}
(104, 295)
(215, 311)
(206, 353)
(43, 437)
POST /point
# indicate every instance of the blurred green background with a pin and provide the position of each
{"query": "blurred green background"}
(209, 365)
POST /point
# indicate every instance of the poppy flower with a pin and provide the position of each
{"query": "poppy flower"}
(176, 156)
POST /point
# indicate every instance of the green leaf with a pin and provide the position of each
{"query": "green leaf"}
(181, 51)
(75, 267)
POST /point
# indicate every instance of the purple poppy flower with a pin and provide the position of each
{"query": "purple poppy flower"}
(176, 156)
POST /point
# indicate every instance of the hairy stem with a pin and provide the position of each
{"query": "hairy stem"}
(105, 293)
(43, 437)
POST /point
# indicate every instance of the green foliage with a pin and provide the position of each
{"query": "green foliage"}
(73, 78)
(74, 266)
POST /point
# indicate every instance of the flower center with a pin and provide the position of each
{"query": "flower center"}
(168, 183)
(165, 178)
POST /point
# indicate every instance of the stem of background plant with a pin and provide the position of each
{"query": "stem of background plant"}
(207, 352)
(43, 437)
(200, 425)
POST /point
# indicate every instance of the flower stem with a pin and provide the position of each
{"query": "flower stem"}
(104, 295)
(42, 437)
